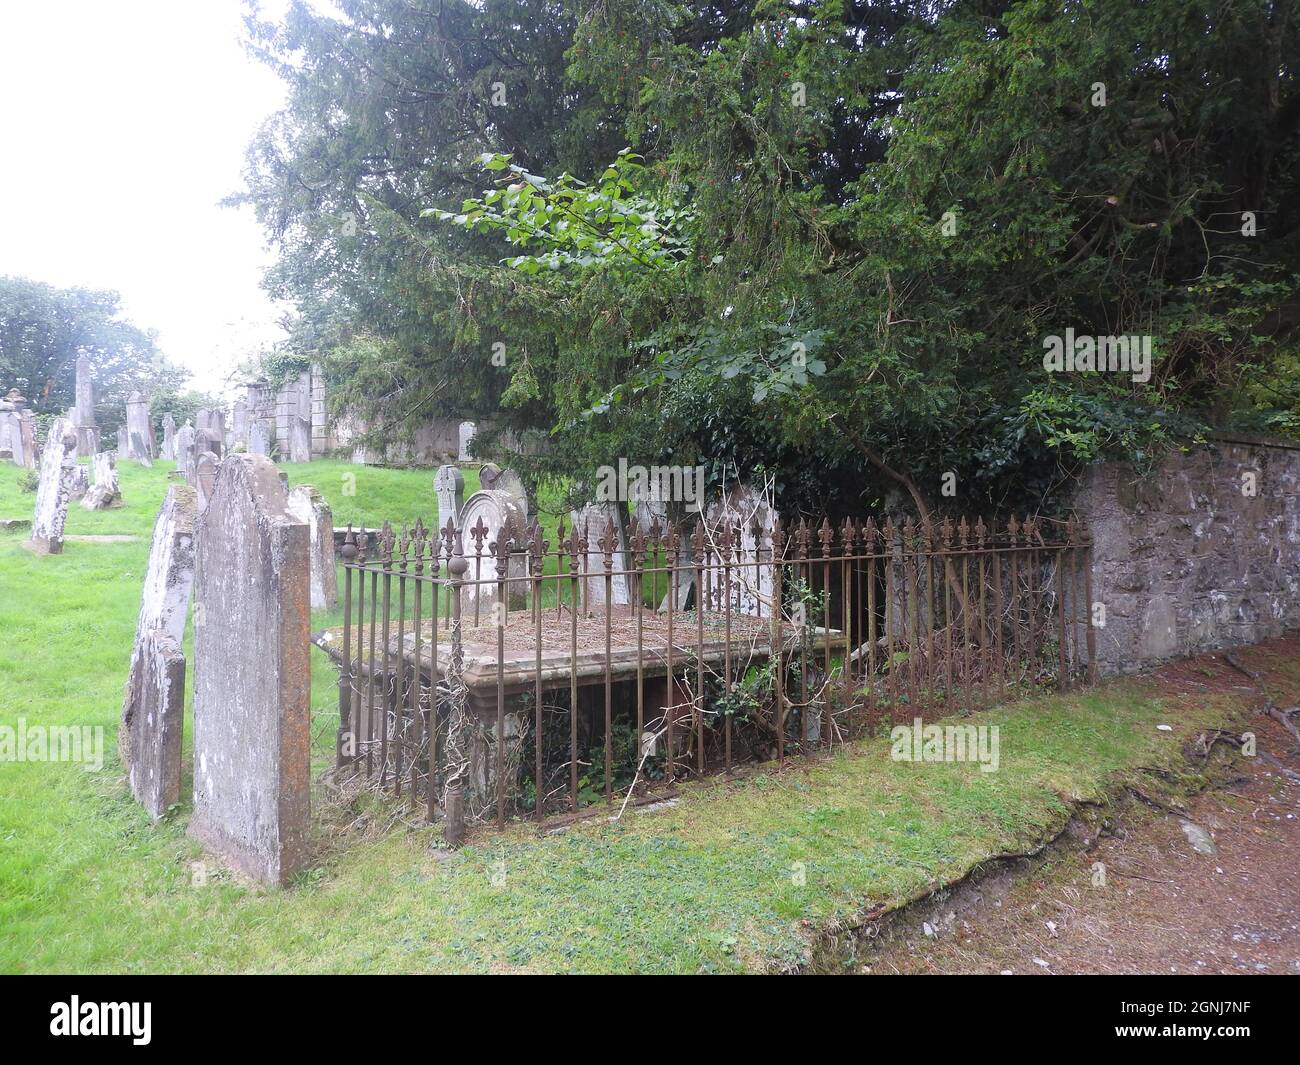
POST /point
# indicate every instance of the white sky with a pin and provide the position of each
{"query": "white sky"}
(122, 124)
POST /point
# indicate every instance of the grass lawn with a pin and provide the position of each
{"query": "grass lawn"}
(731, 878)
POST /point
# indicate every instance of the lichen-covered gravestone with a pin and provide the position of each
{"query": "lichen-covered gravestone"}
(153, 709)
(79, 480)
(104, 493)
(55, 488)
(252, 687)
(307, 504)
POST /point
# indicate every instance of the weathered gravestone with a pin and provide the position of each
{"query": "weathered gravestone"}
(79, 481)
(58, 461)
(466, 436)
(139, 433)
(203, 476)
(299, 439)
(260, 434)
(449, 486)
(748, 586)
(84, 418)
(594, 521)
(169, 438)
(104, 493)
(307, 504)
(212, 420)
(153, 709)
(184, 450)
(123, 444)
(239, 425)
(487, 518)
(252, 686)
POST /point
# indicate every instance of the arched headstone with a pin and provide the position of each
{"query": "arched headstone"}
(484, 520)
(593, 520)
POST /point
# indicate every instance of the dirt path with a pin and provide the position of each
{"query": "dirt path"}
(1142, 899)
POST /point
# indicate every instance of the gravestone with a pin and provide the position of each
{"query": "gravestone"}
(153, 708)
(239, 429)
(184, 450)
(449, 486)
(203, 477)
(123, 446)
(84, 419)
(54, 490)
(140, 449)
(209, 440)
(139, 433)
(169, 438)
(260, 434)
(501, 514)
(252, 686)
(11, 426)
(493, 478)
(79, 480)
(308, 505)
(467, 430)
(595, 519)
(104, 493)
(299, 439)
(213, 420)
(750, 586)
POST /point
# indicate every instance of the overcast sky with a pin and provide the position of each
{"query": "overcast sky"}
(122, 124)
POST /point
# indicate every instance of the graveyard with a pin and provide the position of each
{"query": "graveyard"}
(614, 487)
(701, 884)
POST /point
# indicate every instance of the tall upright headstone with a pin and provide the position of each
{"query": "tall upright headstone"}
(169, 438)
(239, 427)
(153, 708)
(185, 450)
(87, 429)
(252, 686)
(55, 487)
(307, 504)
(139, 433)
(449, 486)
(466, 434)
(104, 493)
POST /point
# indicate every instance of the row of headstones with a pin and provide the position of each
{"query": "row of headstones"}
(501, 505)
(255, 558)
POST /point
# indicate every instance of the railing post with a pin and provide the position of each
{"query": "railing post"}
(346, 677)
(457, 762)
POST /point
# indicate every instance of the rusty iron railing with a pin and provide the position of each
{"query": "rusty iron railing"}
(519, 679)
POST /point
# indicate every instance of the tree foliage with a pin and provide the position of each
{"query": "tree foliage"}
(825, 237)
(44, 329)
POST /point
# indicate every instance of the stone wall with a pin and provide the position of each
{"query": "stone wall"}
(1201, 554)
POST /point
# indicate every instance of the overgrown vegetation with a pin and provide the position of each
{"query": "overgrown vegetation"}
(834, 248)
